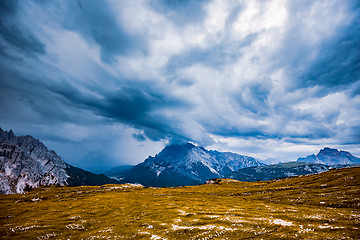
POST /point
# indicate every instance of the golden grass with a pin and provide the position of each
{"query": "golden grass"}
(321, 206)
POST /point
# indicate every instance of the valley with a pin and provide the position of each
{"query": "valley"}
(318, 206)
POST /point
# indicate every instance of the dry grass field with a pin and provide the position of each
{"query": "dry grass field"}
(321, 206)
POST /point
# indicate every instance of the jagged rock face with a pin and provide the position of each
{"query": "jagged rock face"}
(330, 156)
(187, 159)
(187, 164)
(25, 162)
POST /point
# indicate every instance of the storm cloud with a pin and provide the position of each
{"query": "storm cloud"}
(273, 79)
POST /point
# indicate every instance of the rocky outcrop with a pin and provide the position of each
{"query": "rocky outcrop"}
(25, 163)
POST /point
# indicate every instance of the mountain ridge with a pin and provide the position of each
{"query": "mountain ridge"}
(186, 164)
(25, 162)
(277, 171)
(196, 165)
(331, 156)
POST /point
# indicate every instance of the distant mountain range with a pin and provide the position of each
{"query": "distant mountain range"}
(330, 156)
(325, 160)
(25, 162)
(186, 164)
(276, 171)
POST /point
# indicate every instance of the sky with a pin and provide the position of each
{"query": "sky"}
(275, 79)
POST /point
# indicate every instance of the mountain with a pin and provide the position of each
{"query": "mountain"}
(25, 162)
(186, 164)
(282, 170)
(330, 156)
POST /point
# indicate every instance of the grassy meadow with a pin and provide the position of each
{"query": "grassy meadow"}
(320, 206)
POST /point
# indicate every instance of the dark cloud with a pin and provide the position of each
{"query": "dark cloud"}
(135, 104)
(14, 36)
(338, 62)
(139, 137)
(25, 42)
(181, 12)
(224, 53)
(8, 8)
(95, 21)
(254, 98)
(334, 63)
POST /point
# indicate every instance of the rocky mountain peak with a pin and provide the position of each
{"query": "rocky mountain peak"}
(329, 152)
(6, 136)
(331, 156)
(176, 149)
(173, 153)
(187, 164)
(25, 162)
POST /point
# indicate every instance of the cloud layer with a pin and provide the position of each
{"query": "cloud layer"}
(270, 79)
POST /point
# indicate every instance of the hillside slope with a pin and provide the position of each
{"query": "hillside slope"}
(319, 206)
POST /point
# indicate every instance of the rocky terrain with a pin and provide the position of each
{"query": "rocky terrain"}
(25, 163)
